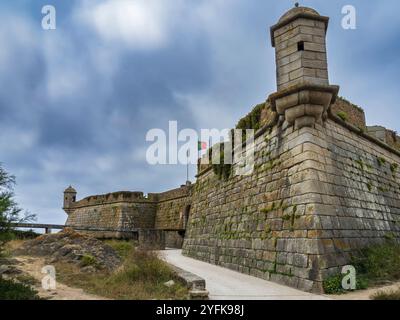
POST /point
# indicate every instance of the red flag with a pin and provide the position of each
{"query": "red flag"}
(202, 145)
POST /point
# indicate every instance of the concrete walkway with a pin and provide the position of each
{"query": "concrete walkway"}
(225, 284)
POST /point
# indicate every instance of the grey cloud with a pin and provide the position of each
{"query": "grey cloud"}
(76, 109)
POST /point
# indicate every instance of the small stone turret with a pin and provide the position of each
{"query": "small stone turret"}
(69, 199)
(304, 94)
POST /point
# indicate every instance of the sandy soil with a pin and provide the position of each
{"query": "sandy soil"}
(33, 267)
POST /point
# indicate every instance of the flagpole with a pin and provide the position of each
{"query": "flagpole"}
(187, 166)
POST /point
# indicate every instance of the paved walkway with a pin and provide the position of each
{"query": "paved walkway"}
(225, 284)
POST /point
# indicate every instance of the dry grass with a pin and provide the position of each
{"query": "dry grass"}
(10, 246)
(141, 277)
(387, 295)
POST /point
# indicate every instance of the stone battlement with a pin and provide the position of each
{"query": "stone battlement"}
(114, 197)
(177, 193)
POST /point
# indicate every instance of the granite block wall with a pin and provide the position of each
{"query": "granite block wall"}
(114, 216)
(315, 197)
(133, 211)
(171, 206)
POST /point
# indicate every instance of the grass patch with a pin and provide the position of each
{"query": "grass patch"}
(375, 265)
(141, 277)
(386, 295)
(88, 260)
(12, 290)
(124, 248)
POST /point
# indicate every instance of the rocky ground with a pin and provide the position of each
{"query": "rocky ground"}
(69, 246)
(89, 255)
(88, 269)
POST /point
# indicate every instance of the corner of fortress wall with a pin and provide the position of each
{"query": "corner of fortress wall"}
(316, 196)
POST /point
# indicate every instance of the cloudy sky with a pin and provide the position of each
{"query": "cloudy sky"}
(76, 102)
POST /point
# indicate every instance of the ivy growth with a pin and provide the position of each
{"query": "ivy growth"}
(222, 170)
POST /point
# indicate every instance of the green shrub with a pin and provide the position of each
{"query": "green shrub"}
(9, 211)
(379, 262)
(333, 284)
(11, 290)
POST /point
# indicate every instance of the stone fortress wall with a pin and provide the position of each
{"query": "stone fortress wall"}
(324, 183)
(124, 211)
(172, 213)
(316, 196)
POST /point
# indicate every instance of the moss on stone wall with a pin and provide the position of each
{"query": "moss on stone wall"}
(222, 170)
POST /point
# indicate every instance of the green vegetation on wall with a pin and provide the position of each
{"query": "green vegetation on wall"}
(352, 104)
(253, 119)
(222, 170)
(342, 115)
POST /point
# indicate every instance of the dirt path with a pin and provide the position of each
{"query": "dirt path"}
(33, 267)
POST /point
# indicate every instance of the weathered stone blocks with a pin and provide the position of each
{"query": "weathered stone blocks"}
(299, 237)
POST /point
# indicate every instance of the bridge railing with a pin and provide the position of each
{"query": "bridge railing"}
(49, 227)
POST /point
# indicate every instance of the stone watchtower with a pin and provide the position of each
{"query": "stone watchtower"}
(304, 94)
(69, 198)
